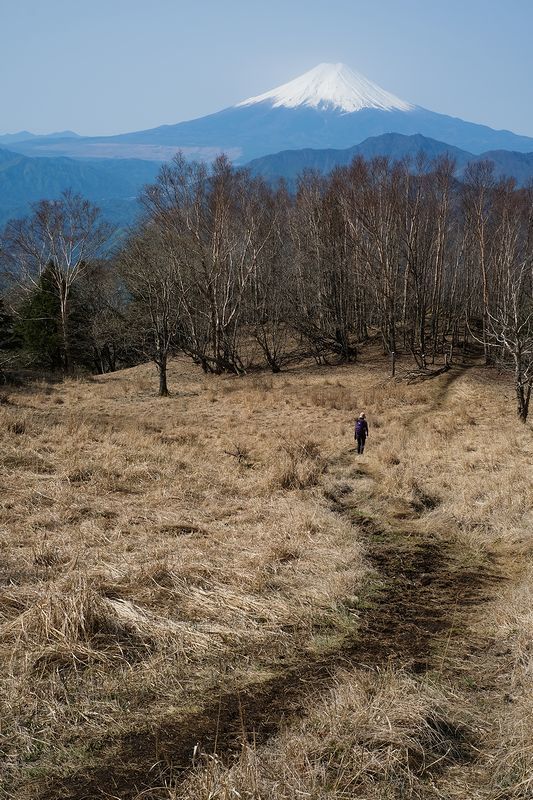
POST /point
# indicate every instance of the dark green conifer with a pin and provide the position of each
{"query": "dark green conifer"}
(39, 325)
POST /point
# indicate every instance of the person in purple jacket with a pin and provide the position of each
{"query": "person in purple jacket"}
(361, 432)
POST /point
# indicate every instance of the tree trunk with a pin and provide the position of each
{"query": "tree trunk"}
(162, 367)
(523, 395)
(64, 332)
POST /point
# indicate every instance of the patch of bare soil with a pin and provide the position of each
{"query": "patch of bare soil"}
(415, 608)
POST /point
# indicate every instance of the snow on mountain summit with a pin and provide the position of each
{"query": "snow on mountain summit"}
(331, 86)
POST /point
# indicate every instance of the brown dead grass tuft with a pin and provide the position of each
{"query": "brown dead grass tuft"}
(72, 613)
(18, 427)
(300, 465)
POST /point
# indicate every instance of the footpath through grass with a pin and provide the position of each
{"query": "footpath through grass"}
(211, 594)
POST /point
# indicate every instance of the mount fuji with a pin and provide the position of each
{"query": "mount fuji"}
(331, 106)
(333, 87)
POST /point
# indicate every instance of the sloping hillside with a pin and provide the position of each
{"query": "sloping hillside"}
(212, 596)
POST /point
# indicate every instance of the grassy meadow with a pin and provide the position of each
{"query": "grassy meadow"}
(191, 588)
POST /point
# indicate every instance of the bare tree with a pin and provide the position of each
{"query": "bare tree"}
(373, 209)
(510, 317)
(271, 312)
(102, 295)
(477, 208)
(214, 229)
(325, 308)
(424, 230)
(150, 278)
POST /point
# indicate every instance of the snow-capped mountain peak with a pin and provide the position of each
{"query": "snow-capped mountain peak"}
(331, 86)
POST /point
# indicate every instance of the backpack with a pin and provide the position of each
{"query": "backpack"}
(360, 427)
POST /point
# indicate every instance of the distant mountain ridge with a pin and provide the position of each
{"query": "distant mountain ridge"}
(24, 136)
(329, 106)
(288, 164)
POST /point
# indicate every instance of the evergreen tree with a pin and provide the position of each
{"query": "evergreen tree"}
(8, 341)
(81, 349)
(39, 325)
(7, 337)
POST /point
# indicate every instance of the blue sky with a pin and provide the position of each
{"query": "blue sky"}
(107, 66)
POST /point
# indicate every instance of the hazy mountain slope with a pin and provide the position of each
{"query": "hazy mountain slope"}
(114, 185)
(517, 165)
(20, 136)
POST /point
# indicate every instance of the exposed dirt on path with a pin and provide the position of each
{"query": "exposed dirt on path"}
(422, 592)
(418, 604)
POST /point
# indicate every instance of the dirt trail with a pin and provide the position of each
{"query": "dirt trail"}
(419, 602)
(422, 596)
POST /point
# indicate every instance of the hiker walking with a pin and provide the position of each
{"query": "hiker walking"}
(361, 432)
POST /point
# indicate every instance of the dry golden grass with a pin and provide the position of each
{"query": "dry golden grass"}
(154, 551)
(143, 562)
(466, 459)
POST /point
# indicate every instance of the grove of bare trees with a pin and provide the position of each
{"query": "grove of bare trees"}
(238, 274)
